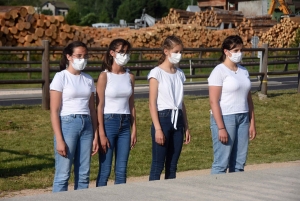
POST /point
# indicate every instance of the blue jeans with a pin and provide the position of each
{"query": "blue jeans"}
(117, 130)
(232, 155)
(77, 131)
(169, 153)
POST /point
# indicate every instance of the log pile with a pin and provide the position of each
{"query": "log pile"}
(281, 35)
(255, 25)
(177, 16)
(214, 18)
(22, 26)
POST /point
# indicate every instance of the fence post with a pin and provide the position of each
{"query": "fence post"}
(28, 65)
(46, 76)
(200, 57)
(299, 69)
(264, 69)
(140, 59)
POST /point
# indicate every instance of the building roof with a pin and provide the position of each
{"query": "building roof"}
(57, 4)
(193, 9)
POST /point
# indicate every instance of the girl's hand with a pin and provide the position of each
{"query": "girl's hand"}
(252, 132)
(104, 144)
(187, 137)
(61, 148)
(160, 137)
(223, 136)
(133, 140)
(95, 146)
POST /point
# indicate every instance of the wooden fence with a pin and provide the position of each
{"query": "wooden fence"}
(194, 63)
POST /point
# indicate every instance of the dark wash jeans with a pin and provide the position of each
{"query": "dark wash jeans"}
(169, 153)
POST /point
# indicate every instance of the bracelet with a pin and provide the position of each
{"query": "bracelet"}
(158, 129)
(221, 128)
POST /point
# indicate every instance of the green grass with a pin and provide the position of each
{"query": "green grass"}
(26, 146)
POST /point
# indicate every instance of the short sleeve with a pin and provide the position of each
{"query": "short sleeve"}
(57, 83)
(215, 78)
(154, 73)
(93, 88)
(182, 75)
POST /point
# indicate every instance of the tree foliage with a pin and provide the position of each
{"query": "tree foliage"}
(47, 12)
(73, 17)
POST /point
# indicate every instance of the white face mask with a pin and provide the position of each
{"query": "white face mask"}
(175, 58)
(235, 57)
(79, 64)
(122, 59)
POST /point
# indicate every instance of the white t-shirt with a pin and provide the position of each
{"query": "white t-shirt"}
(170, 90)
(235, 88)
(76, 92)
(117, 93)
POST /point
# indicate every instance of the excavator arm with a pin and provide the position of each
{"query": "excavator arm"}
(282, 6)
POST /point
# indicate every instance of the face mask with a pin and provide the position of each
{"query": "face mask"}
(79, 64)
(236, 57)
(175, 58)
(122, 59)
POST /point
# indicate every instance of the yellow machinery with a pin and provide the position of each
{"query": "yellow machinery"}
(282, 6)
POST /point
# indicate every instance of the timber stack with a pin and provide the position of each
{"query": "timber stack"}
(281, 35)
(177, 16)
(215, 17)
(22, 26)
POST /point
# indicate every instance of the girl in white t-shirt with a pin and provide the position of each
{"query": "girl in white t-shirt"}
(116, 112)
(73, 118)
(167, 109)
(232, 110)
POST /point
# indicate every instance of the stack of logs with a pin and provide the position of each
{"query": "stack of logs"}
(257, 25)
(177, 16)
(22, 26)
(281, 35)
(214, 18)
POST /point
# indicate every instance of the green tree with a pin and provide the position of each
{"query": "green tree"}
(47, 12)
(89, 19)
(73, 17)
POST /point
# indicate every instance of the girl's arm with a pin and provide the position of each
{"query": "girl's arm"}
(153, 92)
(101, 85)
(133, 114)
(214, 99)
(186, 125)
(94, 123)
(252, 128)
(55, 104)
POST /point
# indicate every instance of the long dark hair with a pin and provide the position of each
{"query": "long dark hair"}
(64, 62)
(108, 59)
(169, 43)
(230, 43)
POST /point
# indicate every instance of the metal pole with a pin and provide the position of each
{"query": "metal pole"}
(299, 69)
(46, 76)
(265, 70)
(191, 79)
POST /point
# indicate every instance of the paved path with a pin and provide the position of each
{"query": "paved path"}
(279, 183)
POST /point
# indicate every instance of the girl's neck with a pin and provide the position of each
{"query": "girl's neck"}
(73, 71)
(116, 69)
(168, 67)
(229, 64)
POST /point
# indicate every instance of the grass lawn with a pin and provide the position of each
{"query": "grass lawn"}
(26, 146)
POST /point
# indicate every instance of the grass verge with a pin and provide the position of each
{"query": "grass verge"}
(26, 146)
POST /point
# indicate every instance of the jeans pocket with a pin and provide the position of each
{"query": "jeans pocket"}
(107, 117)
(67, 119)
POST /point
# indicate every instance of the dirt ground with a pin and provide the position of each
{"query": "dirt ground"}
(145, 178)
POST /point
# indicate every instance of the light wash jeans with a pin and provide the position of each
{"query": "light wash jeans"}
(77, 131)
(232, 155)
(168, 154)
(117, 130)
